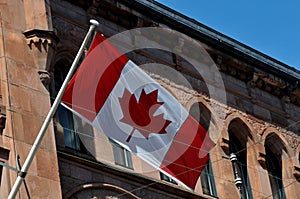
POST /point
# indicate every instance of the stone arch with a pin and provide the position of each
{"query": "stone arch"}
(100, 187)
(63, 58)
(205, 115)
(296, 162)
(238, 125)
(277, 160)
(214, 124)
(62, 55)
(232, 121)
(69, 128)
(240, 143)
(297, 156)
(280, 138)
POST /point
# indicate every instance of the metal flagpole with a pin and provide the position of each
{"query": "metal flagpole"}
(37, 142)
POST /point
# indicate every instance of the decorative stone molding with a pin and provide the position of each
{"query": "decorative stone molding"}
(292, 140)
(295, 95)
(41, 37)
(93, 9)
(296, 164)
(44, 77)
(42, 44)
(267, 79)
(225, 145)
(109, 11)
(285, 102)
(296, 172)
(255, 123)
(231, 66)
(262, 160)
(70, 32)
(268, 83)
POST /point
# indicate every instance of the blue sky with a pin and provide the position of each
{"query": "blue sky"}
(269, 26)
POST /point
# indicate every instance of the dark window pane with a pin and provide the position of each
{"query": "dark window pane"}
(167, 178)
(207, 180)
(203, 116)
(274, 167)
(66, 118)
(121, 155)
(240, 150)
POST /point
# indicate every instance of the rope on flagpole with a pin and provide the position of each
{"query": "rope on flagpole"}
(22, 174)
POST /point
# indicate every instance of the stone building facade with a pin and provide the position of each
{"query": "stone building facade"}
(248, 102)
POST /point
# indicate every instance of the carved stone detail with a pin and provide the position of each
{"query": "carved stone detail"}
(69, 32)
(225, 145)
(257, 124)
(285, 102)
(42, 43)
(262, 159)
(296, 172)
(41, 38)
(271, 81)
(295, 95)
(93, 9)
(292, 140)
(44, 77)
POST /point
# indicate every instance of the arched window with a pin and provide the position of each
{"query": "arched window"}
(274, 149)
(203, 116)
(66, 119)
(238, 137)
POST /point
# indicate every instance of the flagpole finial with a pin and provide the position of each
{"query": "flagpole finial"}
(94, 22)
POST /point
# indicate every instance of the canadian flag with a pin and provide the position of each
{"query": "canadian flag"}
(122, 101)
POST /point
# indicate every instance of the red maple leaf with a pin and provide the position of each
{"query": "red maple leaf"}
(140, 114)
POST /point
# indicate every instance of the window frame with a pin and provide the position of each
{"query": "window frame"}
(203, 115)
(65, 117)
(241, 154)
(274, 168)
(118, 150)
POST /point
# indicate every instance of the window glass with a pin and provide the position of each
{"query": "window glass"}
(208, 181)
(203, 116)
(122, 156)
(167, 178)
(274, 167)
(240, 150)
(66, 118)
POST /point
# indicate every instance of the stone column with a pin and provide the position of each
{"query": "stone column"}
(27, 42)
